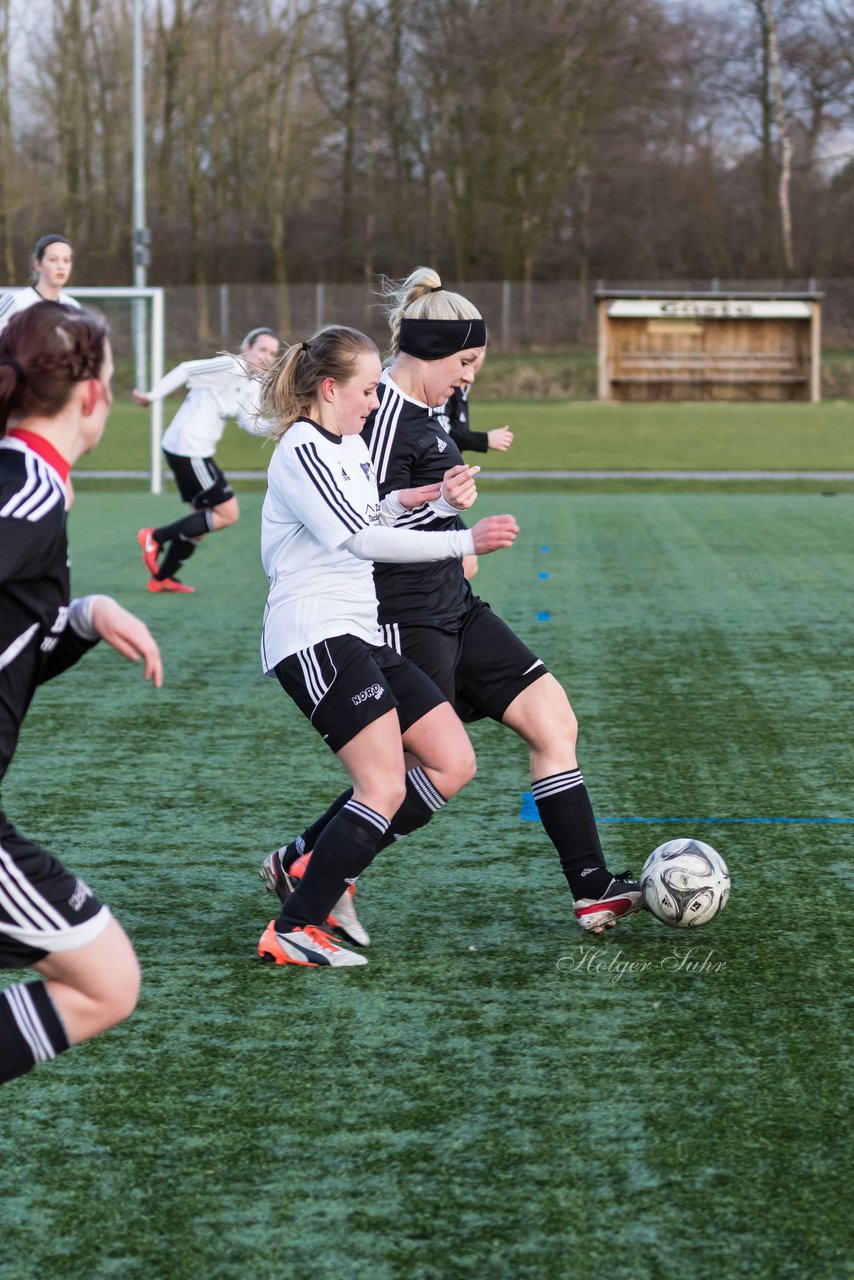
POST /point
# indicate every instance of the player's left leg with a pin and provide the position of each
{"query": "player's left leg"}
(542, 716)
(86, 991)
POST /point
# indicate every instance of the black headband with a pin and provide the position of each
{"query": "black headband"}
(435, 339)
(43, 242)
(13, 364)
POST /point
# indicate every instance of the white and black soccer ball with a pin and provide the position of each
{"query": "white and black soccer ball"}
(685, 883)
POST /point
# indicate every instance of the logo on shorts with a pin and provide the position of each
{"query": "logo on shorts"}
(374, 691)
(79, 896)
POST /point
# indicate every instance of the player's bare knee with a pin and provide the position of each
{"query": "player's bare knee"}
(228, 513)
(124, 990)
(459, 771)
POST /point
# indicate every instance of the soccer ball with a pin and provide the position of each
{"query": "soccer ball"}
(685, 883)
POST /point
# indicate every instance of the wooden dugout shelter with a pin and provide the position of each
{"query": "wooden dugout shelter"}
(709, 346)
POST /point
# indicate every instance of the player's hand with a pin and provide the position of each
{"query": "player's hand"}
(494, 532)
(459, 488)
(140, 398)
(411, 498)
(499, 438)
(129, 635)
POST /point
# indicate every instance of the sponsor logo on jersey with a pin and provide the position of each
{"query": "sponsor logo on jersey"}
(79, 896)
(443, 444)
(51, 641)
(372, 512)
(374, 691)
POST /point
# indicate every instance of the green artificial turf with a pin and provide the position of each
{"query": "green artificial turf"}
(494, 1095)
(567, 435)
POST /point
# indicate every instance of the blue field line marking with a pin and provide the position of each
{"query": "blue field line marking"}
(528, 813)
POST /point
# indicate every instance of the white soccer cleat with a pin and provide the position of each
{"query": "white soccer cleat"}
(343, 918)
(306, 945)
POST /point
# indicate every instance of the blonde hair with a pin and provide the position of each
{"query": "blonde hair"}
(421, 296)
(292, 384)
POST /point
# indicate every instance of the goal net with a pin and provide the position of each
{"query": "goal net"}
(137, 335)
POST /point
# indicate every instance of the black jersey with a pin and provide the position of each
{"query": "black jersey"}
(454, 417)
(408, 447)
(35, 643)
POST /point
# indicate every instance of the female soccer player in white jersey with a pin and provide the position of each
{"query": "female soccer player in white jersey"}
(225, 387)
(428, 611)
(322, 526)
(55, 368)
(51, 264)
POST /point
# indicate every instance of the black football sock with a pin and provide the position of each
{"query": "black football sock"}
(31, 1030)
(194, 525)
(177, 554)
(567, 816)
(289, 853)
(422, 801)
(344, 849)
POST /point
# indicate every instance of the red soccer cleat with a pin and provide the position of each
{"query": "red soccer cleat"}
(150, 550)
(169, 584)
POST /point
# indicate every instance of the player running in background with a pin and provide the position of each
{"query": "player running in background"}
(454, 417)
(322, 526)
(225, 387)
(428, 611)
(52, 261)
(55, 369)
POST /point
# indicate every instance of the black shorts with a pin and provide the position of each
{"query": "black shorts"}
(43, 907)
(481, 667)
(343, 684)
(200, 481)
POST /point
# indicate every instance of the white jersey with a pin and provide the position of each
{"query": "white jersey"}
(321, 491)
(220, 389)
(20, 299)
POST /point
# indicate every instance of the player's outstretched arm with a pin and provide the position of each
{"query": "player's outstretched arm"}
(494, 532)
(129, 635)
(140, 398)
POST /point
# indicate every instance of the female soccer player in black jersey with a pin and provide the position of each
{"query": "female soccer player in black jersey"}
(428, 611)
(321, 528)
(55, 369)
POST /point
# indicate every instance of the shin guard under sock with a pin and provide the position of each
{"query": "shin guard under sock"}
(567, 816)
(344, 849)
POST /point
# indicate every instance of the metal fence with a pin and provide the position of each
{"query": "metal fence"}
(544, 316)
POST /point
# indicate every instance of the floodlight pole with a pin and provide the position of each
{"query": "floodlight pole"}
(141, 235)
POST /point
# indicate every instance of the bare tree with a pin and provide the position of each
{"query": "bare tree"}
(770, 28)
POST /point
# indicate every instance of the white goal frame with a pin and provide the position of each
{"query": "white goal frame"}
(156, 344)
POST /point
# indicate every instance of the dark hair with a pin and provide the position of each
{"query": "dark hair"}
(44, 351)
(254, 334)
(294, 380)
(43, 242)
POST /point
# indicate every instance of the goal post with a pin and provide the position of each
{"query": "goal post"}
(155, 325)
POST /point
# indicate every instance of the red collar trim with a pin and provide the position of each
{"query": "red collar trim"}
(44, 449)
